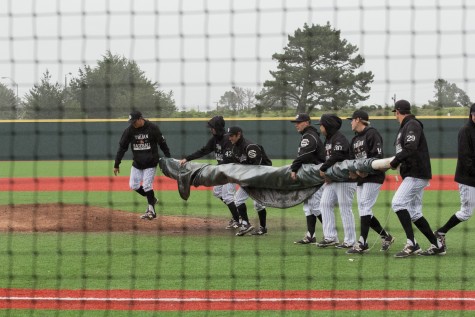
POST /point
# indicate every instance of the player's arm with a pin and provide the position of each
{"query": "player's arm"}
(162, 143)
(254, 154)
(123, 146)
(409, 144)
(205, 150)
(375, 146)
(339, 153)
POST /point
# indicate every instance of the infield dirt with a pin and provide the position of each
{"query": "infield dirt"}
(81, 218)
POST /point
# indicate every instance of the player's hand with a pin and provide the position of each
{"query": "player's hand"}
(361, 174)
(116, 171)
(183, 162)
(327, 180)
(353, 175)
(394, 164)
(293, 176)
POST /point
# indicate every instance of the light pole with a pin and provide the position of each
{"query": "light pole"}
(66, 79)
(14, 83)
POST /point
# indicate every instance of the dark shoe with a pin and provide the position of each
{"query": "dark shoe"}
(259, 232)
(233, 224)
(149, 215)
(433, 250)
(358, 249)
(386, 243)
(408, 251)
(343, 245)
(441, 238)
(244, 229)
(306, 240)
(327, 243)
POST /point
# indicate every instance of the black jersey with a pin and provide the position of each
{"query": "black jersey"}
(219, 144)
(368, 144)
(465, 170)
(144, 143)
(310, 150)
(412, 151)
(247, 152)
(337, 149)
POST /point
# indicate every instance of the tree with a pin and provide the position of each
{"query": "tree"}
(45, 100)
(238, 99)
(115, 87)
(8, 103)
(448, 95)
(317, 69)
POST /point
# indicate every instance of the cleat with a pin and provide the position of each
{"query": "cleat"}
(358, 249)
(148, 215)
(326, 243)
(306, 240)
(259, 232)
(408, 251)
(233, 224)
(343, 245)
(433, 250)
(244, 229)
(441, 238)
(386, 243)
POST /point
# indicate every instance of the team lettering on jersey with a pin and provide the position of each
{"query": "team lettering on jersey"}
(141, 143)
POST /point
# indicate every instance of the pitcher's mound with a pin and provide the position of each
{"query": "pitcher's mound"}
(81, 218)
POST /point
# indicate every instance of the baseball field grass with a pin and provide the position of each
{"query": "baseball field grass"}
(218, 260)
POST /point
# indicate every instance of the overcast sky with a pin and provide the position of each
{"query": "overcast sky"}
(200, 49)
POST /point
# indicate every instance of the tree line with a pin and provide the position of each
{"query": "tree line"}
(318, 69)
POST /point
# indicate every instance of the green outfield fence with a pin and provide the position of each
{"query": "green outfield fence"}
(71, 240)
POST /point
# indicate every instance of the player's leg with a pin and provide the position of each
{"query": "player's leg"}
(311, 208)
(367, 194)
(240, 201)
(327, 205)
(135, 181)
(405, 209)
(227, 196)
(467, 206)
(262, 214)
(345, 193)
(147, 183)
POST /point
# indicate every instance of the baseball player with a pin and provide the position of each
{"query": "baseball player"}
(464, 176)
(143, 137)
(219, 144)
(310, 151)
(337, 149)
(247, 152)
(412, 158)
(367, 143)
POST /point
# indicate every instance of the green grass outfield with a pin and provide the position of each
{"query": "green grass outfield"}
(220, 260)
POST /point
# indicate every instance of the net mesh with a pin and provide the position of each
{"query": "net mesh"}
(71, 236)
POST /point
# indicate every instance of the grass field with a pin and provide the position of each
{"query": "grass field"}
(219, 260)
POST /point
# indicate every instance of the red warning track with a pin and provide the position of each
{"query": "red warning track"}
(225, 300)
(121, 183)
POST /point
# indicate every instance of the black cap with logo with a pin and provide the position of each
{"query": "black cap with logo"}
(402, 105)
(301, 117)
(234, 130)
(134, 115)
(363, 115)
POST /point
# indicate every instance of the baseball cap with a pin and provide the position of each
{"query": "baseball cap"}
(363, 115)
(134, 115)
(234, 130)
(402, 105)
(301, 117)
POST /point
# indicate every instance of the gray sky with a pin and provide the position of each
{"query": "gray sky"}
(200, 49)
